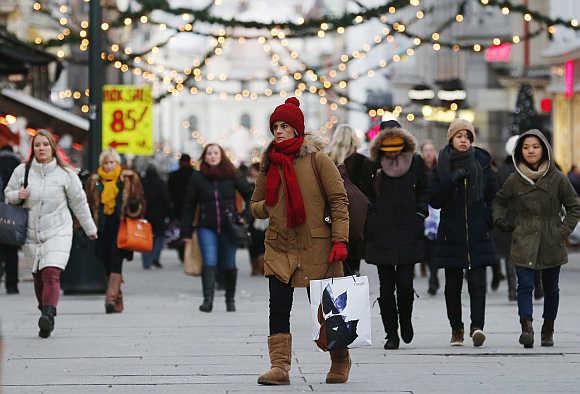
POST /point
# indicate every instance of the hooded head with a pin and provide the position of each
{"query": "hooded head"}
(290, 113)
(392, 140)
(518, 156)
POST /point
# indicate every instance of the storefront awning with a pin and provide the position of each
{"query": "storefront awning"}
(42, 115)
(16, 57)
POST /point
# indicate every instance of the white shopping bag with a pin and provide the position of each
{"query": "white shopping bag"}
(341, 312)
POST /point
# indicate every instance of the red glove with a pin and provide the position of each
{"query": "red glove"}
(338, 252)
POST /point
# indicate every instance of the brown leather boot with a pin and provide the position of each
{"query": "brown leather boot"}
(548, 333)
(280, 348)
(119, 307)
(110, 295)
(527, 335)
(339, 367)
(114, 296)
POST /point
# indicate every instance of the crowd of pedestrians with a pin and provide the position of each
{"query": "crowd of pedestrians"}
(309, 211)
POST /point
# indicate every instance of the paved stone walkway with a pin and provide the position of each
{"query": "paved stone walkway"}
(163, 344)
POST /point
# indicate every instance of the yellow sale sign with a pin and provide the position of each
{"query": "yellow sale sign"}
(127, 119)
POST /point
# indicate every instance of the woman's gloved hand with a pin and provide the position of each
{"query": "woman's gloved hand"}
(339, 252)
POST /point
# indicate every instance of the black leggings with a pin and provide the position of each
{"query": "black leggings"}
(281, 297)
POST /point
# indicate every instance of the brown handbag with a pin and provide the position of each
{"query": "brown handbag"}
(135, 235)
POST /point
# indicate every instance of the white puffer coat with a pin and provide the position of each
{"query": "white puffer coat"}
(53, 190)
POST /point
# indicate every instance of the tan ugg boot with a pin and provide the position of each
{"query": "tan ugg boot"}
(280, 348)
(339, 367)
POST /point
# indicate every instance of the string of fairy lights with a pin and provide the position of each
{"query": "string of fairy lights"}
(305, 78)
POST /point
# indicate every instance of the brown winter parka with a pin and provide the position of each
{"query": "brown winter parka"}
(297, 255)
(544, 213)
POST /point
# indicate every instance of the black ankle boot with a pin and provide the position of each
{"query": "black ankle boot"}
(46, 321)
(230, 279)
(392, 341)
(208, 284)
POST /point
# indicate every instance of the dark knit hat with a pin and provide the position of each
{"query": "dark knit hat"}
(390, 124)
(290, 113)
(458, 125)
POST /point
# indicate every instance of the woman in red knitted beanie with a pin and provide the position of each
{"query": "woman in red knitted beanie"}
(300, 245)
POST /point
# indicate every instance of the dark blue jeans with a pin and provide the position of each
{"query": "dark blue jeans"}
(550, 278)
(155, 254)
(216, 249)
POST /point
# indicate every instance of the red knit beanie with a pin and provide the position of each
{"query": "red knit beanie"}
(290, 113)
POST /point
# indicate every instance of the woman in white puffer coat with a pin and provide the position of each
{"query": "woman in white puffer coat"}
(53, 191)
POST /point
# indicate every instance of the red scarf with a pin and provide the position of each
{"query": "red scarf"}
(281, 156)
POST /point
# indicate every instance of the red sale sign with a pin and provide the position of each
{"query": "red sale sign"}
(499, 53)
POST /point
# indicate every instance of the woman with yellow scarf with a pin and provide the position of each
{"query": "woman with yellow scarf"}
(114, 193)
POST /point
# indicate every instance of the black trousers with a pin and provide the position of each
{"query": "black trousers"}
(395, 279)
(107, 251)
(281, 298)
(9, 256)
(476, 285)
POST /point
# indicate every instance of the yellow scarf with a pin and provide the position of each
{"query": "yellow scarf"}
(110, 189)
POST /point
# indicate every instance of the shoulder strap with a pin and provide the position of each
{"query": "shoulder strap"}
(26, 171)
(315, 169)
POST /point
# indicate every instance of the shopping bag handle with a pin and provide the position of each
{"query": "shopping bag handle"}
(348, 266)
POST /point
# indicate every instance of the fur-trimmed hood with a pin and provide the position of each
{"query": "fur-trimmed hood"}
(410, 142)
(312, 144)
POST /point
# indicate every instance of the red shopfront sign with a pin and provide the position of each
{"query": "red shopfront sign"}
(569, 78)
(498, 53)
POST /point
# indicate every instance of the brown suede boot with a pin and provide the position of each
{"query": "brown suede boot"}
(527, 335)
(339, 367)
(280, 348)
(114, 297)
(548, 333)
(110, 295)
(119, 307)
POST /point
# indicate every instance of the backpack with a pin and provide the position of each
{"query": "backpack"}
(357, 204)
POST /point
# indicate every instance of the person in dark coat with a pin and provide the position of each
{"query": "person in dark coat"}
(157, 200)
(177, 185)
(535, 195)
(8, 254)
(463, 187)
(342, 150)
(257, 228)
(394, 228)
(574, 177)
(503, 239)
(429, 155)
(213, 191)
